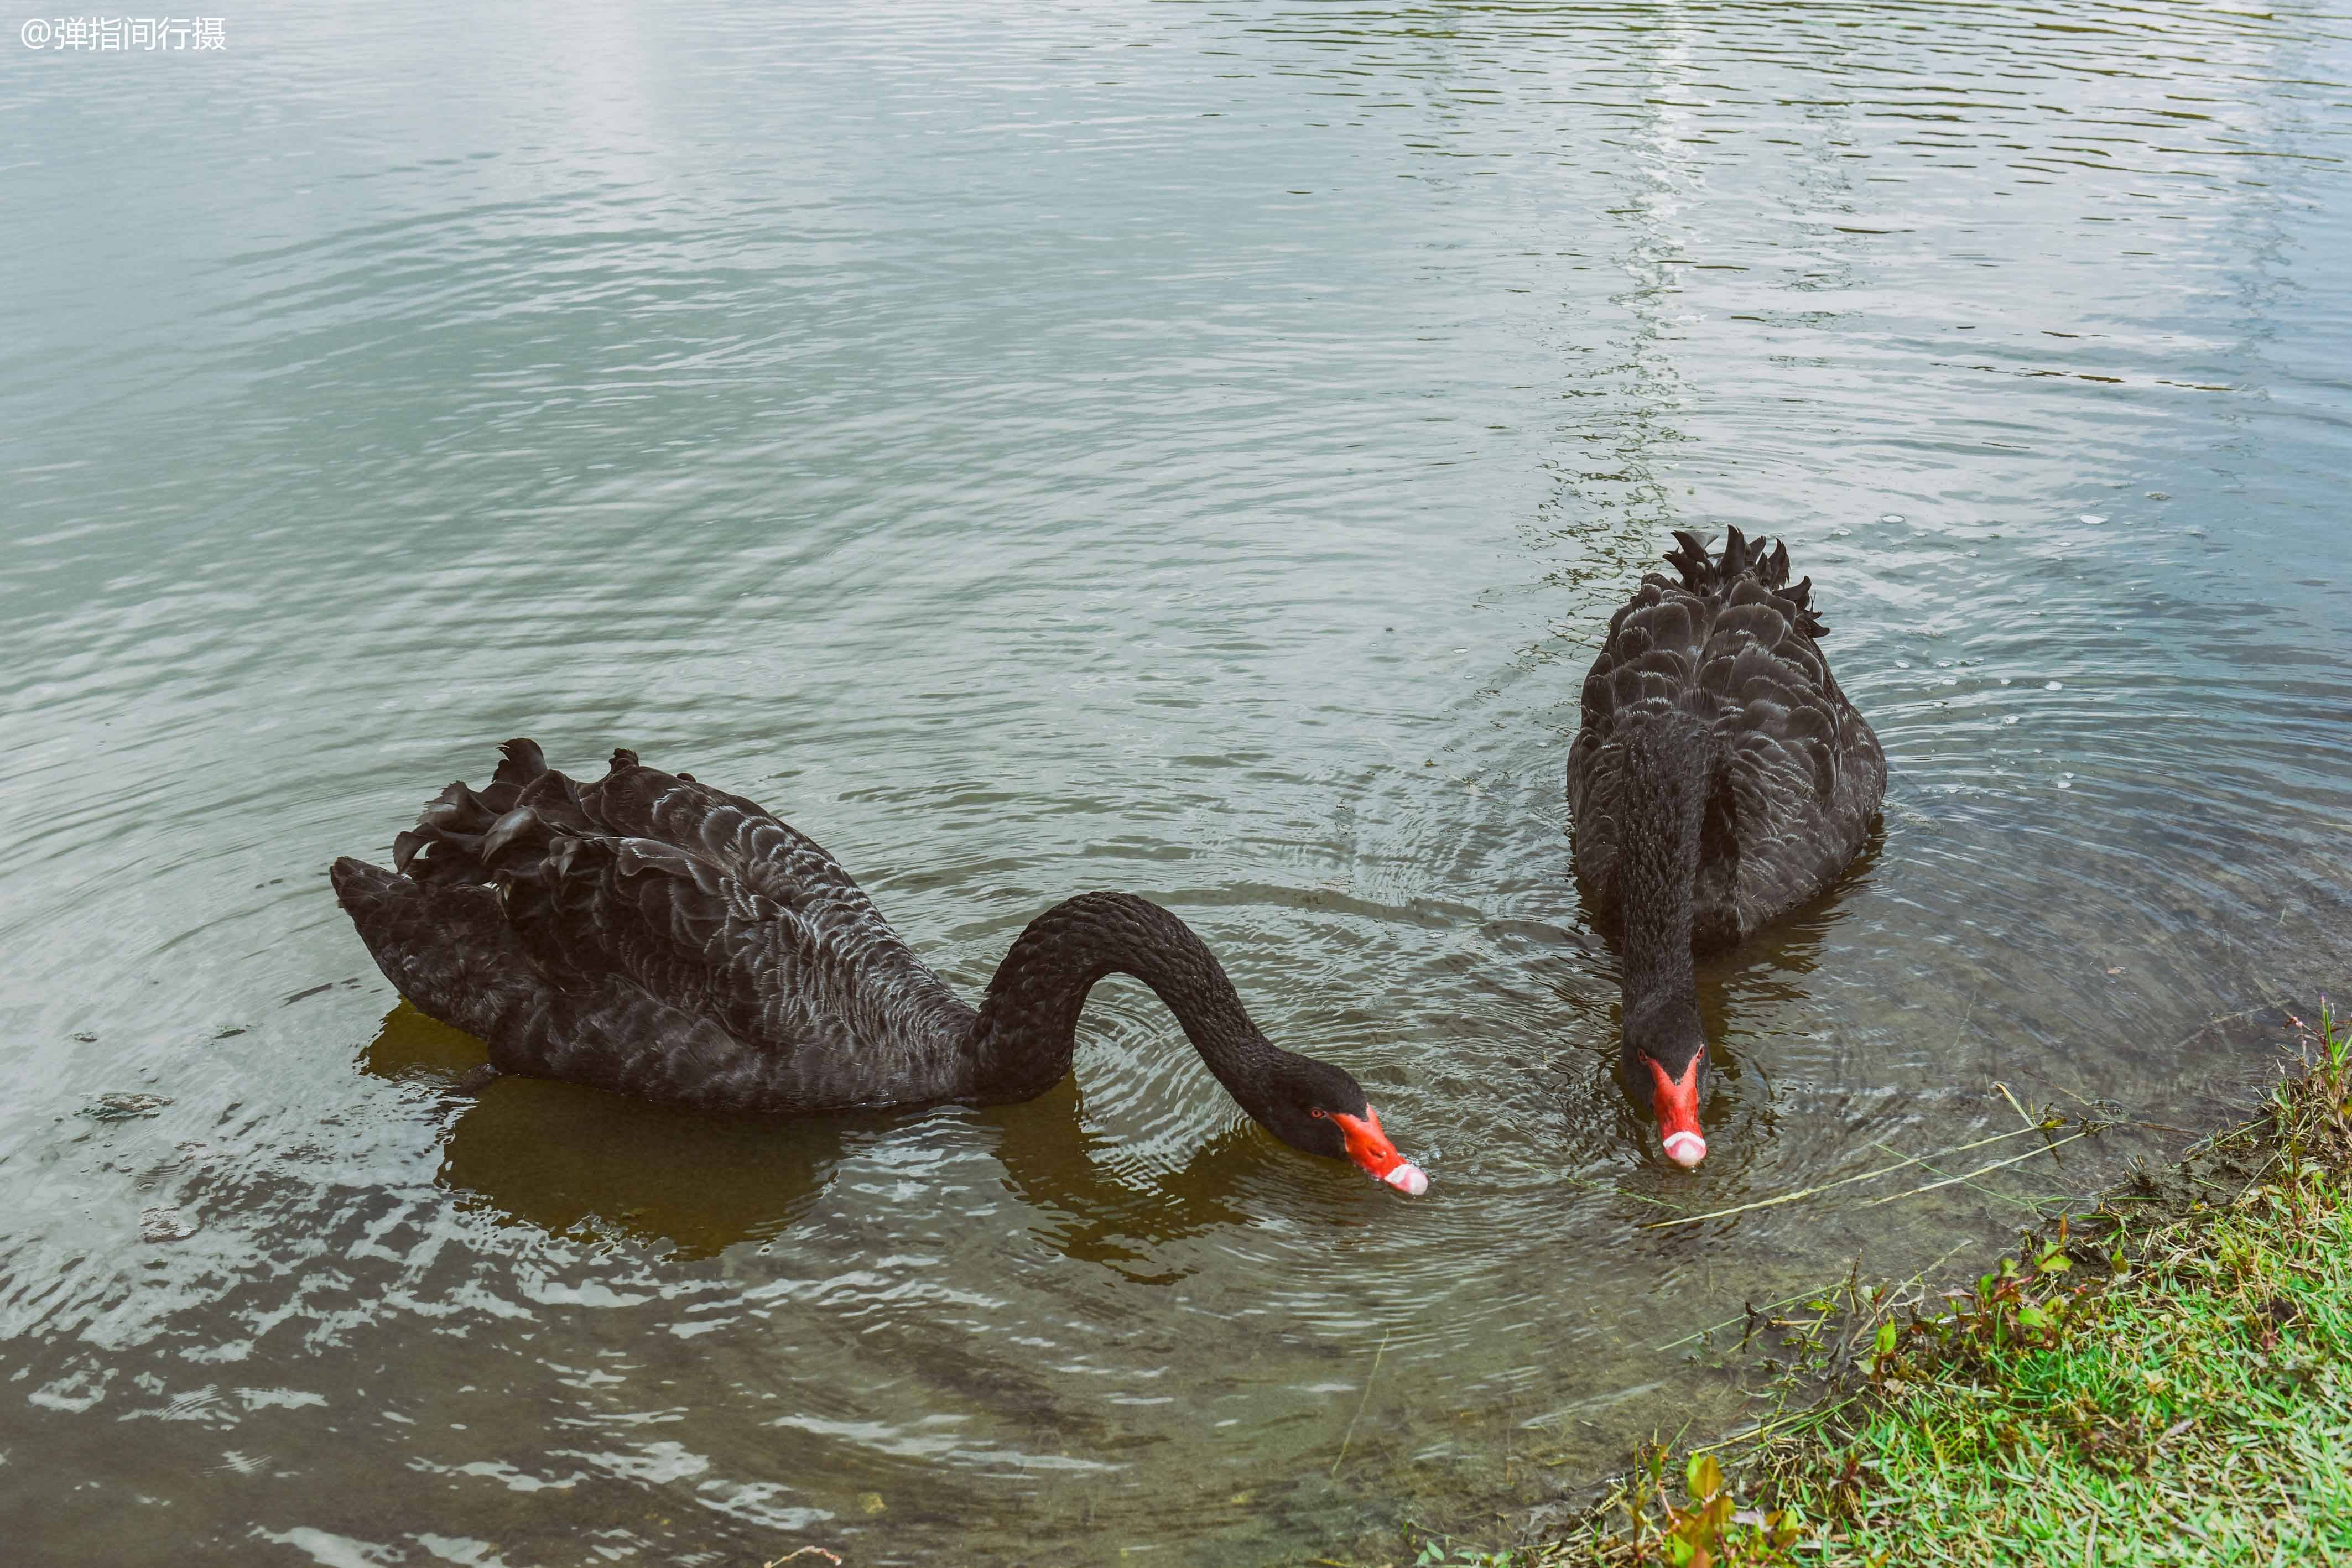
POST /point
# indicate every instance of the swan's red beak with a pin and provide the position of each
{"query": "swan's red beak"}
(1369, 1147)
(1676, 1100)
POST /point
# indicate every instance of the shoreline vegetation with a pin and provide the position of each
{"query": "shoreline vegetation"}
(2165, 1378)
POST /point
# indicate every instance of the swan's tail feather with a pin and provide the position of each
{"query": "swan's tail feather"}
(1697, 568)
(520, 762)
(1737, 557)
(445, 947)
(433, 922)
(447, 845)
(523, 834)
(441, 847)
(1766, 561)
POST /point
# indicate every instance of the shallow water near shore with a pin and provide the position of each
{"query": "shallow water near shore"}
(1186, 448)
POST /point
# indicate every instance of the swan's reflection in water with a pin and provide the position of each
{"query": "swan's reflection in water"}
(1088, 1213)
(569, 1159)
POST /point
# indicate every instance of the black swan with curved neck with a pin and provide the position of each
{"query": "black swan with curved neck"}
(1720, 778)
(647, 933)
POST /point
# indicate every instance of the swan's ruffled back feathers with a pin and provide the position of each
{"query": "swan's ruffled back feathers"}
(647, 901)
(1796, 774)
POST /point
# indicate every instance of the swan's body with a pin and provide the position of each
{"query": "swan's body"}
(1721, 779)
(646, 933)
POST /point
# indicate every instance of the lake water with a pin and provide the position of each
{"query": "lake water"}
(1186, 448)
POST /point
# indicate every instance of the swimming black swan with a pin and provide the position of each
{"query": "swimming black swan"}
(1721, 779)
(652, 935)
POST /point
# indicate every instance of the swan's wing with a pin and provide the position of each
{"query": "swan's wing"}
(763, 854)
(661, 915)
(679, 980)
(1796, 773)
(631, 801)
(1645, 670)
(466, 837)
(452, 952)
(617, 1035)
(719, 912)
(1795, 759)
(587, 907)
(846, 959)
(1647, 663)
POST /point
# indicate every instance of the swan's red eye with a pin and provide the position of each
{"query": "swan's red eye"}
(1316, 1113)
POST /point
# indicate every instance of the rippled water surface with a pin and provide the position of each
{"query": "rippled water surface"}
(1189, 448)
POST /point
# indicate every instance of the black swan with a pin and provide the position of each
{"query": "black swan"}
(649, 935)
(1721, 779)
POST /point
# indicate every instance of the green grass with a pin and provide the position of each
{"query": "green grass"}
(2202, 1416)
(2166, 1381)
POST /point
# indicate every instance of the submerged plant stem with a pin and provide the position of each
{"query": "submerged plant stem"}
(1903, 1163)
(1348, 1436)
(1981, 1170)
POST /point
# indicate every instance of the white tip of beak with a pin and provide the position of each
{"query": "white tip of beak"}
(1409, 1180)
(1686, 1149)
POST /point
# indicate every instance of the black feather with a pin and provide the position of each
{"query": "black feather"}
(1729, 650)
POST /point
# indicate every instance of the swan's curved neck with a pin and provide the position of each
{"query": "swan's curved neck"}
(1027, 1028)
(1668, 774)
